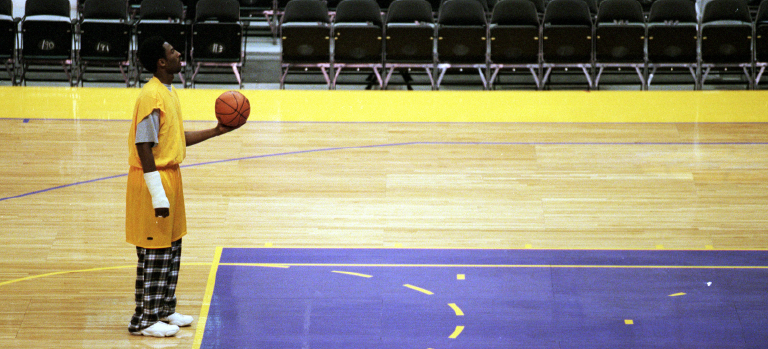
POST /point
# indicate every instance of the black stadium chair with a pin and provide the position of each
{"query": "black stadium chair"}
(305, 30)
(8, 32)
(358, 32)
(567, 33)
(761, 40)
(410, 38)
(462, 38)
(726, 38)
(620, 37)
(672, 37)
(514, 39)
(47, 38)
(105, 38)
(217, 38)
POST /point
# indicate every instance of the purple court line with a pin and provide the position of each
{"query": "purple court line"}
(384, 146)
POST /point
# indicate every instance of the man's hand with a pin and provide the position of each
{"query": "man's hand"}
(222, 129)
(162, 212)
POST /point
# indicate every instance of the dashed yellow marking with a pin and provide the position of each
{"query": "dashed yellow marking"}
(629, 322)
(456, 332)
(677, 294)
(460, 277)
(427, 292)
(456, 309)
(351, 273)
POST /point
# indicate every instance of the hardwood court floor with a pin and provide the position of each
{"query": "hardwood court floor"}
(66, 274)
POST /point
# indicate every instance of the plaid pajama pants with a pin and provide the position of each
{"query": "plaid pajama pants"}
(156, 276)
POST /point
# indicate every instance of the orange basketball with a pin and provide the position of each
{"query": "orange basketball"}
(232, 108)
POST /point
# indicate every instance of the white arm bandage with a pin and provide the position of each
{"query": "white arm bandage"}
(155, 185)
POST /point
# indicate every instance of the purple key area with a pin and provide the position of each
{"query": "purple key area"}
(325, 298)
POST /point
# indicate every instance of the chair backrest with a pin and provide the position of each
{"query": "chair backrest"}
(105, 9)
(683, 11)
(515, 12)
(6, 7)
(306, 11)
(567, 12)
(762, 13)
(47, 7)
(540, 5)
(161, 9)
(462, 12)
(485, 3)
(358, 11)
(220, 10)
(726, 10)
(410, 11)
(620, 10)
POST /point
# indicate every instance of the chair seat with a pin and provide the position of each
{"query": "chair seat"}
(573, 45)
(357, 43)
(514, 44)
(410, 43)
(620, 43)
(672, 43)
(461, 44)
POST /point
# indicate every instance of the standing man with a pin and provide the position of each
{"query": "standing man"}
(155, 216)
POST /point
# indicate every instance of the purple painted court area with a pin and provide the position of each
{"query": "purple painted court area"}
(488, 299)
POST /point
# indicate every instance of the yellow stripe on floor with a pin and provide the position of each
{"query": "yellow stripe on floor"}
(405, 106)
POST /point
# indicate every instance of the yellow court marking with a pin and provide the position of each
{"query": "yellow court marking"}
(461, 277)
(677, 294)
(78, 103)
(595, 248)
(629, 322)
(427, 292)
(207, 299)
(456, 332)
(351, 273)
(456, 309)
(80, 271)
(265, 265)
(354, 265)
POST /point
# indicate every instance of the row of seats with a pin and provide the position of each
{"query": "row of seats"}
(104, 36)
(517, 36)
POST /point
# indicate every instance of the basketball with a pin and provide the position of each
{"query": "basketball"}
(232, 108)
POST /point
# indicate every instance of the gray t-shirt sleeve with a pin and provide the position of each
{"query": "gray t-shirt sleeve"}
(147, 129)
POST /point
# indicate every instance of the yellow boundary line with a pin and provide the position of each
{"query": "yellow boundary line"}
(285, 266)
(207, 299)
(707, 248)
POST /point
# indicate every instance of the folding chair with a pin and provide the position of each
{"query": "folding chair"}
(8, 34)
(761, 40)
(305, 30)
(358, 38)
(217, 38)
(567, 33)
(105, 38)
(462, 42)
(672, 38)
(164, 18)
(620, 38)
(515, 39)
(47, 38)
(726, 38)
(410, 39)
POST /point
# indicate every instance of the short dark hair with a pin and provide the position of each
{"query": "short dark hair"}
(150, 51)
